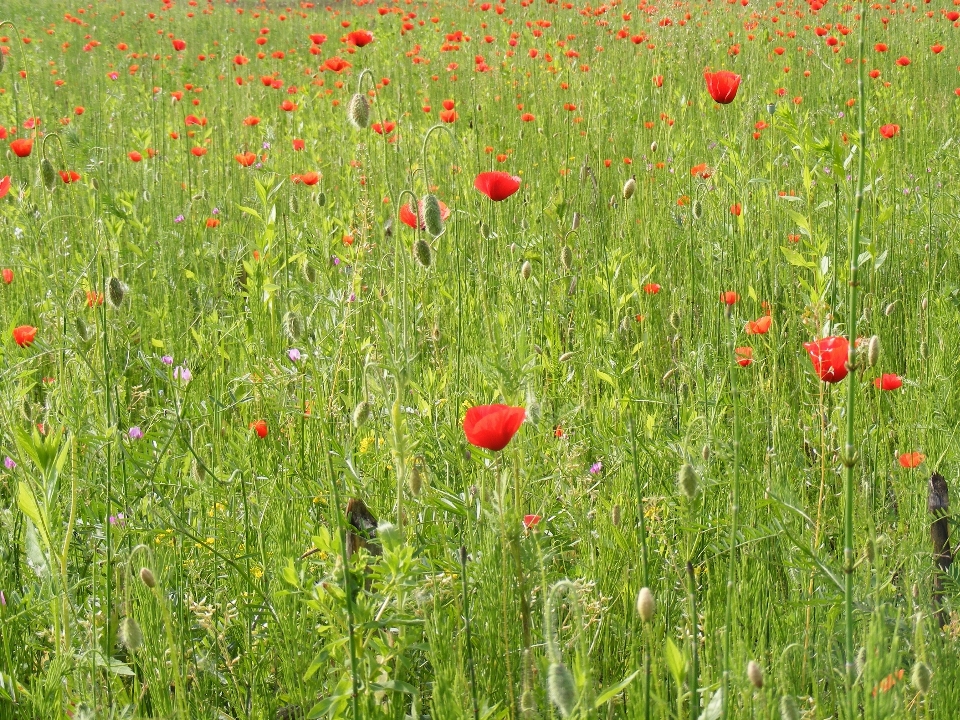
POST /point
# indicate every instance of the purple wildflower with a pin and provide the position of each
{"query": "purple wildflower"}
(9, 463)
(135, 433)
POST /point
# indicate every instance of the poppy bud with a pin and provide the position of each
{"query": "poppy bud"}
(755, 674)
(130, 635)
(485, 231)
(920, 677)
(629, 188)
(873, 351)
(48, 174)
(83, 331)
(566, 357)
(146, 576)
(861, 660)
(422, 252)
(294, 204)
(646, 605)
(432, 217)
(116, 291)
(653, 146)
(788, 708)
(198, 472)
(687, 481)
(526, 270)
(870, 550)
(697, 210)
(566, 257)
(615, 515)
(705, 453)
(292, 327)
(576, 221)
(528, 703)
(675, 320)
(308, 271)
(561, 688)
(415, 479)
(361, 413)
(625, 325)
(771, 108)
(358, 112)
(321, 199)
(891, 308)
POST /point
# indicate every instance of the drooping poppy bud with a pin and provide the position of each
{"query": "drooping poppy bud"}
(492, 426)
(361, 413)
(497, 185)
(629, 188)
(422, 253)
(116, 291)
(358, 112)
(561, 688)
(722, 85)
(292, 327)
(755, 674)
(646, 605)
(433, 215)
(48, 175)
(687, 481)
(829, 357)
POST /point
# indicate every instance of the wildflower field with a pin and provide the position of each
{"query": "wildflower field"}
(501, 359)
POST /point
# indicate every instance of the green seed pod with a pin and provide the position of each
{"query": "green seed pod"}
(484, 231)
(920, 677)
(575, 223)
(675, 320)
(48, 174)
(687, 480)
(566, 257)
(697, 210)
(116, 291)
(561, 688)
(422, 253)
(873, 351)
(358, 112)
(361, 413)
(629, 188)
(241, 276)
(755, 675)
(130, 635)
(292, 326)
(526, 270)
(653, 146)
(321, 199)
(415, 479)
(615, 512)
(84, 332)
(432, 217)
(705, 453)
(788, 708)
(646, 605)
(308, 271)
(891, 308)
(528, 703)
(566, 357)
(146, 576)
(923, 350)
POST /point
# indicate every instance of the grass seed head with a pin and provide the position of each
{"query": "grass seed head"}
(358, 112)
(361, 413)
(615, 513)
(755, 674)
(308, 271)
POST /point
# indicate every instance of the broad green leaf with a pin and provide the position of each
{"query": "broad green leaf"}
(610, 693)
(675, 662)
(395, 686)
(28, 504)
(795, 258)
(714, 707)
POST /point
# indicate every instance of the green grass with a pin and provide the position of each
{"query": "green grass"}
(242, 622)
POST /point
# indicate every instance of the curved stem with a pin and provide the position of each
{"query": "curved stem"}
(423, 150)
(367, 72)
(416, 208)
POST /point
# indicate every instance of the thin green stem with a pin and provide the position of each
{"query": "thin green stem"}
(734, 518)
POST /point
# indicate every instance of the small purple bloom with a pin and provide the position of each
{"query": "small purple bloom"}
(336, 260)
(293, 354)
(135, 433)
(117, 519)
(178, 219)
(216, 211)
(182, 373)
(352, 298)
(167, 360)
(596, 467)
(266, 146)
(9, 463)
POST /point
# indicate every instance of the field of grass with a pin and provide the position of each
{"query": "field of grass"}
(240, 479)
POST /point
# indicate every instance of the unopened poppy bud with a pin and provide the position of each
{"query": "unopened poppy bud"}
(561, 688)
(870, 550)
(146, 576)
(687, 480)
(129, 634)
(485, 231)
(923, 304)
(361, 413)
(422, 253)
(675, 320)
(705, 453)
(415, 479)
(920, 677)
(625, 325)
(292, 327)
(646, 605)
(83, 331)
(294, 204)
(358, 112)
(528, 703)
(48, 174)
(308, 271)
(116, 291)
(526, 270)
(891, 308)
(513, 248)
(566, 257)
(653, 146)
(755, 674)
(788, 708)
(388, 227)
(697, 210)
(771, 108)
(873, 351)
(615, 515)
(566, 357)
(432, 216)
(629, 188)
(923, 350)
(241, 276)
(321, 198)
(861, 660)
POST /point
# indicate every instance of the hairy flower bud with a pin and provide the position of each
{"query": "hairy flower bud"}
(48, 174)
(755, 674)
(292, 327)
(116, 291)
(788, 708)
(129, 634)
(432, 216)
(566, 257)
(873, 351)
(629, 188)
(920, 677)
(146, 576)
(687, 480)
(361, 413)
(646, 605)
(526, 270)
(358, 112)
(561, 688)
(422, 253)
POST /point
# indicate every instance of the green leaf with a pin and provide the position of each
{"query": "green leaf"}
(395, 686)
(250, 211)
(28, 504)
(610, 693)
(795, 258)
(605, 377)
(714, 708)
(675, 662)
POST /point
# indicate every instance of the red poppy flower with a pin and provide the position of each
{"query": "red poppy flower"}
(94, 298)
(7, 276)
(213, 223)
(409, 218)
(527, 117)
(135, 156)
(937, 49)
(701, 171)
(251, 120)
(260, 428)
(387, 127)
(69, 176)
(22, 147)
(497, 185)
(880, 47)
(318, 38)
(651, 288)
(448, 104)
(829, 358)
(448, 116)
(735, 209)
(198, 151)
(360, 37)
(729, 297)
(336, 64)
(888, 381)
(298, 145)
(492, 426)
(889, 130)
(744, 356)
(658, 80)
(722, 85)
(310, 178)
(246, 159)
(24, 335)
(4, 185)
(903, 61)
(760, 326)
(288, 106)
(530, 521)
(179, 45)
(911, 460)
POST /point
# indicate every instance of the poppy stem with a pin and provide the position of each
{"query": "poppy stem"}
(734, 517)
(849, 455)
(423, 150)
(413, 204)
(383, 126)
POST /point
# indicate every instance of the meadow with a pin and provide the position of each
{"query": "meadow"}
(508, 359)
